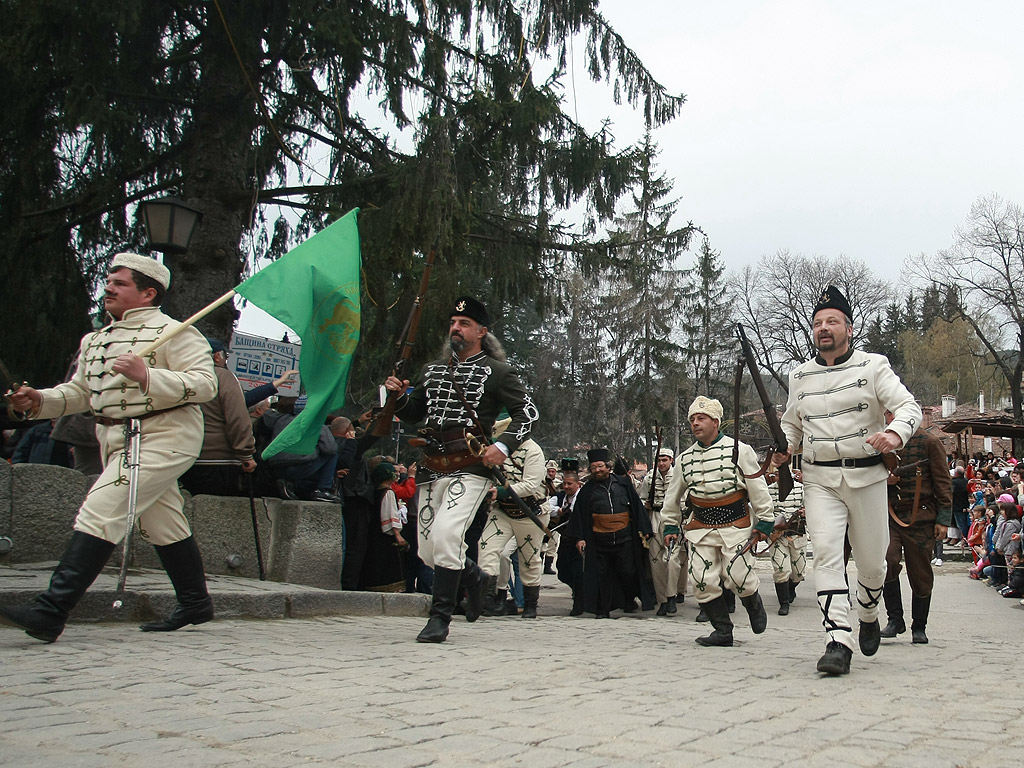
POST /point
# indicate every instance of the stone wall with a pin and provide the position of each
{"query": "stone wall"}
(301, 541)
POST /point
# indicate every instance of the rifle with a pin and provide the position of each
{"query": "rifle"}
(654, 470)
(748, 360)
(381, 424)
(12, 385)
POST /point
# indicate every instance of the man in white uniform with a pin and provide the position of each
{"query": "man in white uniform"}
(836, 416)
(714, 498)
(668, 566)
(163, 390)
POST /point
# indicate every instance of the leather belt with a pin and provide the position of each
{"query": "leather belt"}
(867, 461)
(106, 421)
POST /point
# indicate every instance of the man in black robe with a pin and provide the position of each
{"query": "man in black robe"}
(610, 526)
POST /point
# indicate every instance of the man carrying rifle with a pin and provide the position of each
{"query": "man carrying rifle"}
(457, 400)
(162, 391)
(668, 565)
(725, 511)
(836, 415)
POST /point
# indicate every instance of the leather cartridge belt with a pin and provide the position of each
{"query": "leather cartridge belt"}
(867, 461)
(723, 512)
(449, 450)
(106, 421)
(512, 510)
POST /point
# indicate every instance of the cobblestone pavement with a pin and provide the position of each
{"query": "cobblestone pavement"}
(556, 691)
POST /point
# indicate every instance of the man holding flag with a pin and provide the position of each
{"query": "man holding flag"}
(146, 366)
(458, 399)
(162, 391)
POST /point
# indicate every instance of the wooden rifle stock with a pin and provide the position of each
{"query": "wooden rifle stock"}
(381, 425)
(774, 426)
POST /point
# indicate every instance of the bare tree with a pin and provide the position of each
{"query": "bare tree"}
(985, 266)
(779, 294)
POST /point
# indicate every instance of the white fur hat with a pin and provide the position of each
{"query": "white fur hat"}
(707, 406)
(666, 452)
(144, 264)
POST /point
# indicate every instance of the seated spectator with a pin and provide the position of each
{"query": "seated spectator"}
(37, 447)
(307, 476)
(228, 442)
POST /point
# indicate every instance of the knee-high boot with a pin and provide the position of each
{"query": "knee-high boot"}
(782, 592)
(475, 582)
(919, 607)
(446, 592)
(44, 618)
(530, 597)
(184, 566)
(491, 597)
(718, 613)
(893, 609)
(755, 612)
(577, 598)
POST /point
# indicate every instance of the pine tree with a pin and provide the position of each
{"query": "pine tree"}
(428, 116)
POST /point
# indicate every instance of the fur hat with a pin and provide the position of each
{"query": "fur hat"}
(147, 266)
(832, 298)
(707, 406)
(599, 454)
(666, 452)
(467, 306)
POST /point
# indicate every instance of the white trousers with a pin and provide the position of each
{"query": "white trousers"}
(711, 566)
(789, 559)
(832, 513)
(501, 529)
(669, 572)
(446, 508)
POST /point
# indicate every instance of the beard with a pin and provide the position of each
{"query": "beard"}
(458, 343)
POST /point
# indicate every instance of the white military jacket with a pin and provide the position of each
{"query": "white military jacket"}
(832, 410)
(707, 472)
(525, 471)
(180, 371)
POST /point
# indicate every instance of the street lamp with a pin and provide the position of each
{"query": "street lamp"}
(169, 223)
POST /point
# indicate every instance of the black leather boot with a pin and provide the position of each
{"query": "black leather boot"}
(919, 607)
(836, 660)
(718, 613)
(446, 590)
(755, 612)
(530, 597)
(44, 618)
(870, 637)
(792, 591)
(577, 599)
(894, 609)
(490, 596)
(475, 582)
(782, 592)
(730, 599)
(498, 607)
(184, 566)
(548, 563)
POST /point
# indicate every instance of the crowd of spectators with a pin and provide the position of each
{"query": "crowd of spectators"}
(995, 488)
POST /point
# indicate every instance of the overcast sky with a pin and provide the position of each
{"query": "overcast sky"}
(864, 129)
(859, 128)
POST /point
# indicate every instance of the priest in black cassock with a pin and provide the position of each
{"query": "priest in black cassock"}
(611, 526)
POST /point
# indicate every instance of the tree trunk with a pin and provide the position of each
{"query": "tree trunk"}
(216, 180)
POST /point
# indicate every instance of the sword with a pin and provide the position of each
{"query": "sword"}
(132, 449)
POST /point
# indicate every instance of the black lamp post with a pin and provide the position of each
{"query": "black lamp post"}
(169, 223)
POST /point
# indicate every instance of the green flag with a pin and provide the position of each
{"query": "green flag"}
(314, 290)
